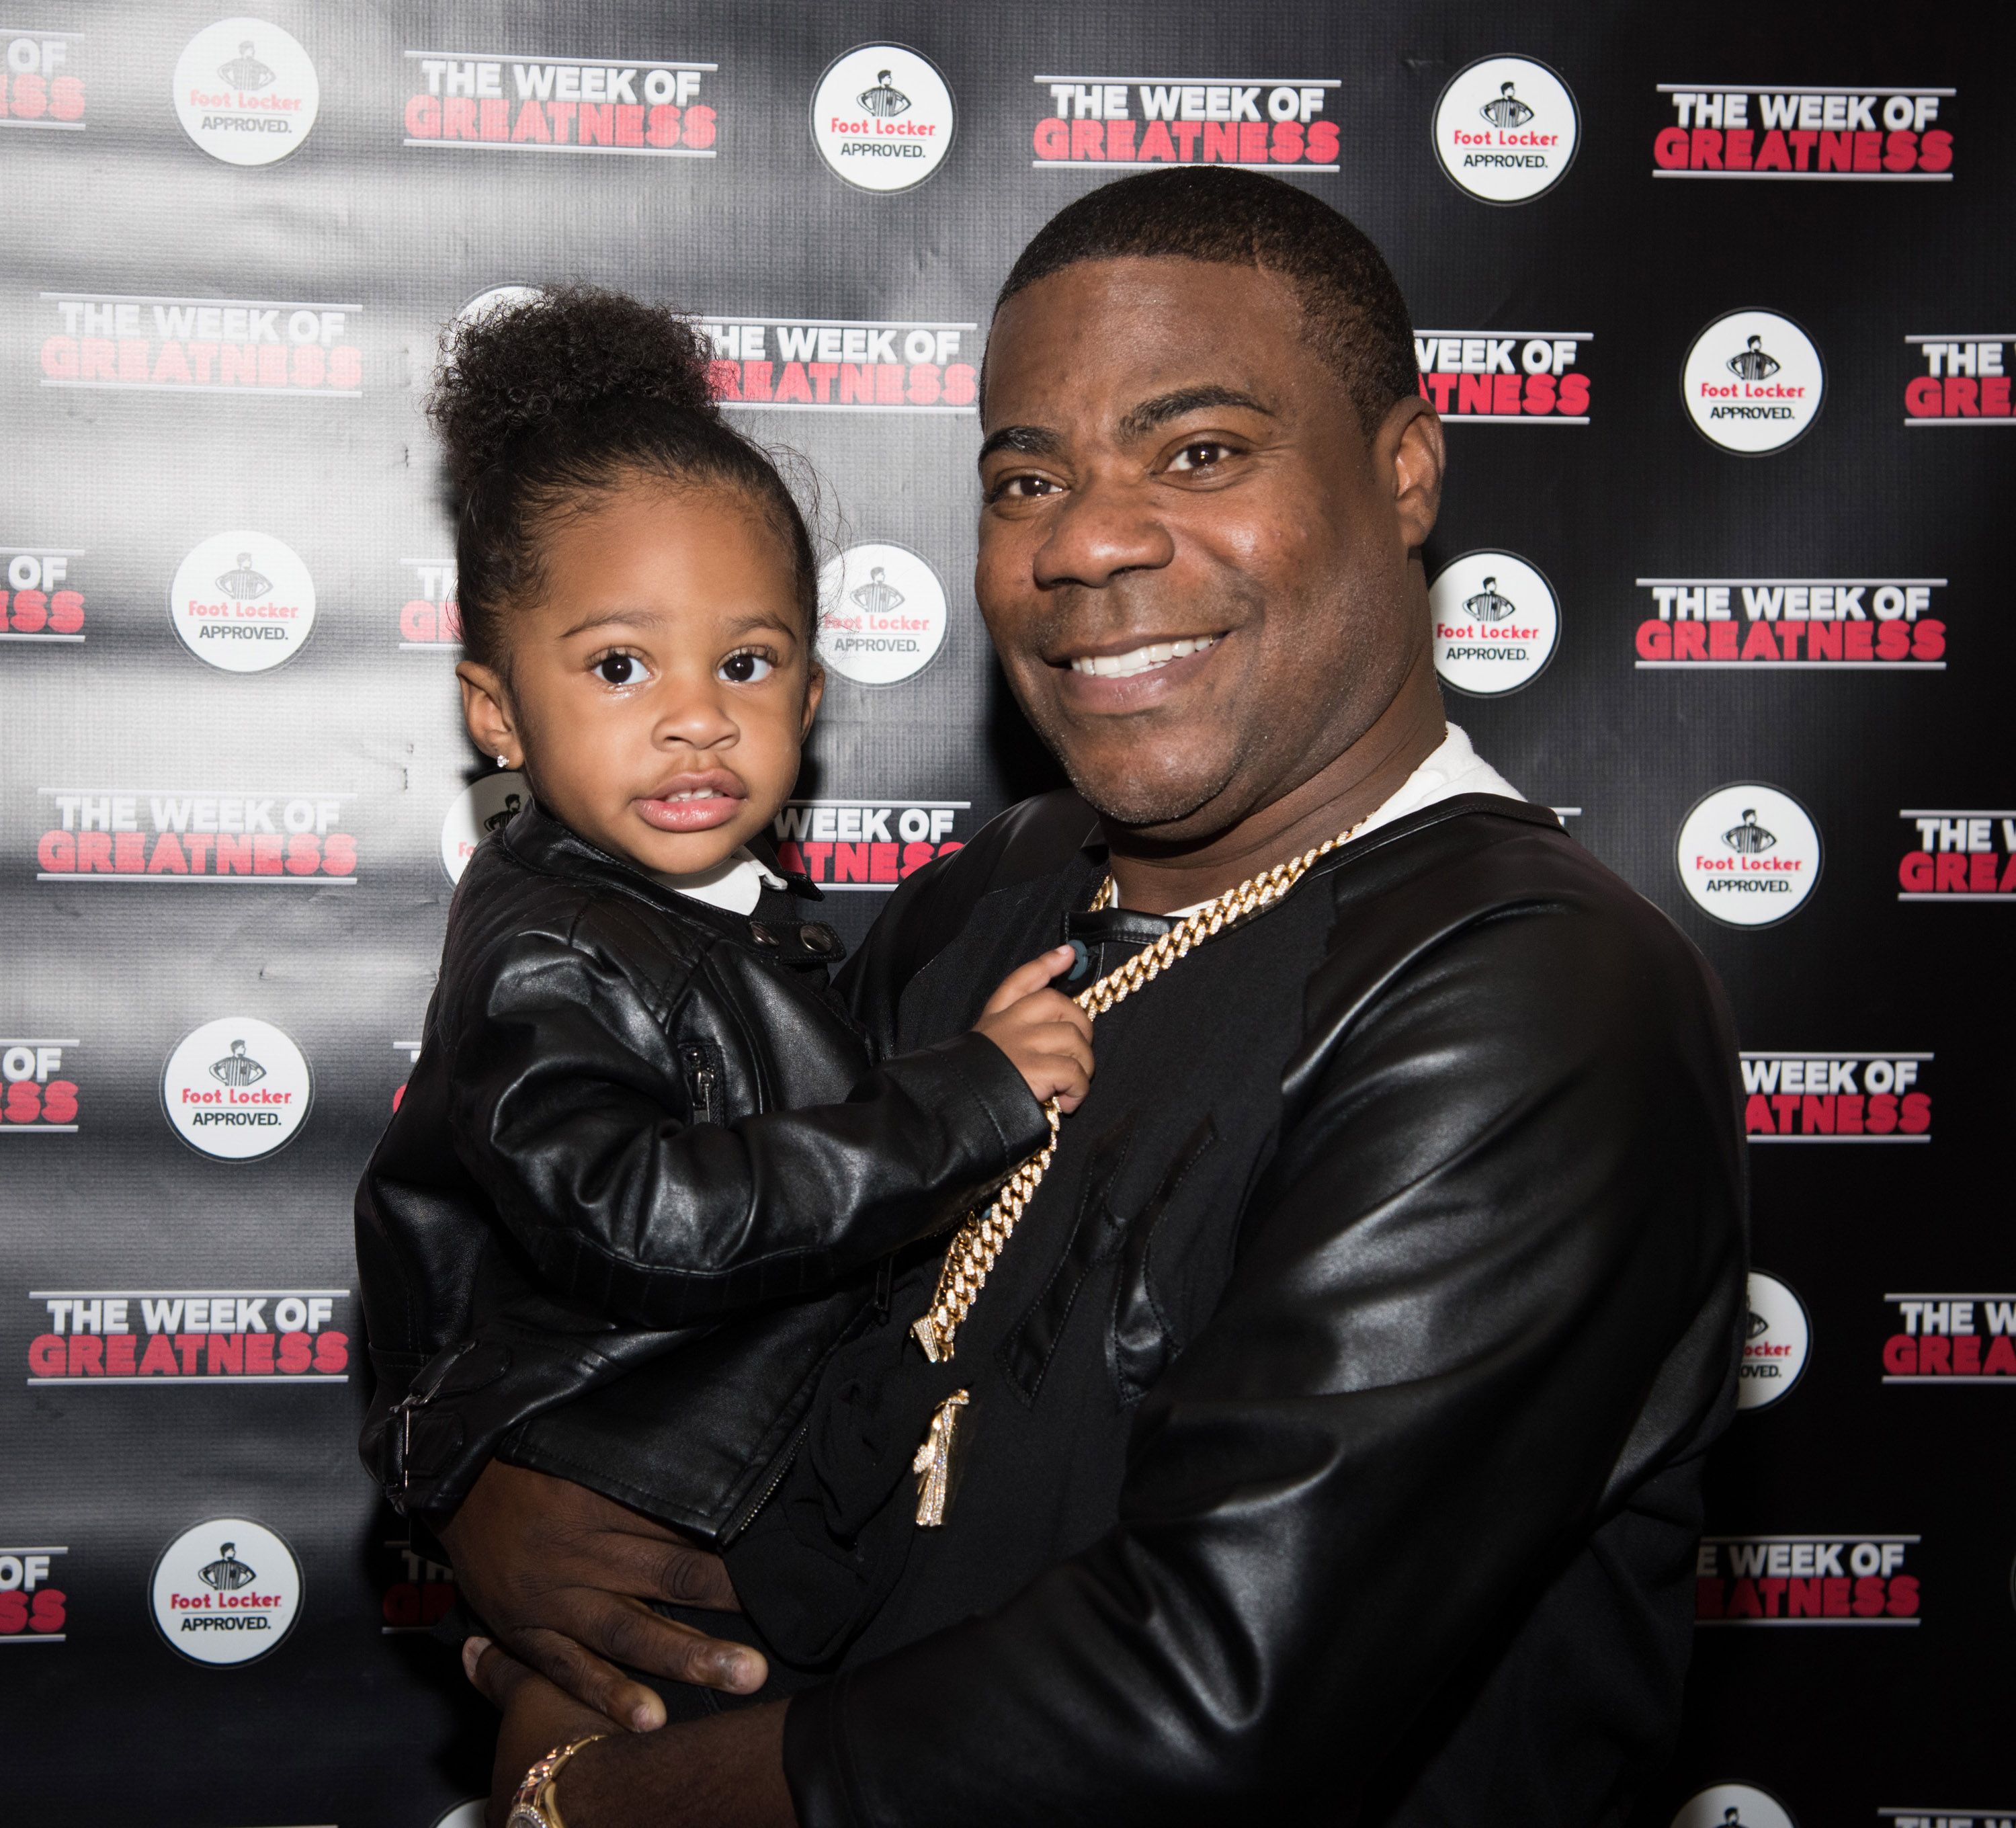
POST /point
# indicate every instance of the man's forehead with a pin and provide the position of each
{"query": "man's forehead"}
(1111, 337)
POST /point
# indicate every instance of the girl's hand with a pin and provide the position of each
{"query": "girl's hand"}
(1045, 1034)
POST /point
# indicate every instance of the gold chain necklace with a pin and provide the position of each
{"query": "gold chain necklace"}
(982, 1238)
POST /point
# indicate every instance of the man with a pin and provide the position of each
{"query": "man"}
(1334, 1413)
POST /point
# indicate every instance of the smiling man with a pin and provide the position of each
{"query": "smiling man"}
(1319, 1431)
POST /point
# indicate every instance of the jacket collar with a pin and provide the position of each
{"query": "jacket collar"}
(539, 841)
(1094, 847)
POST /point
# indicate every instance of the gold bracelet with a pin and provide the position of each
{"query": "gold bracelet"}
(532, 1804)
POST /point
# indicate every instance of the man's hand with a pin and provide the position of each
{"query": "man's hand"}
(1044, 1033)
(537, 1719)
(560, 1575)
(724, 1772)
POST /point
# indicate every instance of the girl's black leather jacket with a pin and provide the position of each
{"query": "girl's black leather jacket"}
(635, 1118)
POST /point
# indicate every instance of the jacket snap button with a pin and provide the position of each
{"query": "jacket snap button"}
(761, 934)
(819, 938)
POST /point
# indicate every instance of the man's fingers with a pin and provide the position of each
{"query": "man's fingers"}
(635, 1635)
(659, 1567)
(492, 1672)
(1027, 980)
(602, 1630)
(588, 1678)
(692, 1576)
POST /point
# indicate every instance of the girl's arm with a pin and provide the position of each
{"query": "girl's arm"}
(568, 1111)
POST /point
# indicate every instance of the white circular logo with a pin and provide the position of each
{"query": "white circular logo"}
(1506, 129)
(882, 116)
(245, 92)
(1732, 1805)
(1753, 382)
(1775, 1337)
(1496, 623)
(1749, 854)
(490, 804)
(882, 613)
(227, 1591)
(243, 601)
(496, 298)
(236, 1088)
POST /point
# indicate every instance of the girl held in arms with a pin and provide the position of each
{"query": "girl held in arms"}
(638, 1111)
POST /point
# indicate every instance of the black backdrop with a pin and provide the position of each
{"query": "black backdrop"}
(1858, 1631)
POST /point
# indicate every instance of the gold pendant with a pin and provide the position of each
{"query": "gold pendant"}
(933, 1462)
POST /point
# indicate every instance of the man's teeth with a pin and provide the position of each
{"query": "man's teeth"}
(1140, 659)
(691, 793)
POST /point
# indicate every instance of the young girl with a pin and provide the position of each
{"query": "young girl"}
(638, 1110)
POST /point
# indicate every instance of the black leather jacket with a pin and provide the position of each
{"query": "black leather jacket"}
(634, 1116)
(1405, 1532)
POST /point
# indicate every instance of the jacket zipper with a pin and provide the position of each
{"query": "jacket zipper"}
(699, 1084)
(750, 1513)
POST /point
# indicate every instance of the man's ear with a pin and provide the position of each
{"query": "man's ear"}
(486, 709)
(814, 691)
(1410, 447)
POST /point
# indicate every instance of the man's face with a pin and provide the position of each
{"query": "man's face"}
(1195, 567)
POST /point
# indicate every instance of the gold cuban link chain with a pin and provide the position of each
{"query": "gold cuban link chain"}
(982, 1239)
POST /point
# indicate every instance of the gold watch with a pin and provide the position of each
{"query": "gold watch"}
(532, 1804)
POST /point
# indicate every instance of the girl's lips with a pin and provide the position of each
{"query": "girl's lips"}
(694, 803)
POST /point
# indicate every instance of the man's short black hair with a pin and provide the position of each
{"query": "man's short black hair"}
(1352, 313)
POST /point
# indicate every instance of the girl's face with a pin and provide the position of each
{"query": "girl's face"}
(659, 693)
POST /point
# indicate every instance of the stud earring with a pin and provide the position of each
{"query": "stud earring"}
(503, 761)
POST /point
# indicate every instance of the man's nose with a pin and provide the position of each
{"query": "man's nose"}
(1102, 529)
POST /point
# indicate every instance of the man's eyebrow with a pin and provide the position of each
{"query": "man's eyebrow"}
(1036, 441)
(1152, 414)
(1029, 440)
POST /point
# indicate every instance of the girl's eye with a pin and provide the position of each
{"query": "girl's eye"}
(1203, 455)
(618, 669)
(745, 668)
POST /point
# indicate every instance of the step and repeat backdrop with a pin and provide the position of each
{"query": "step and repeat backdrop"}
(1718, 309)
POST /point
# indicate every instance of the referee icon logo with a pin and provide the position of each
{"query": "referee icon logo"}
(243, 582)
(1507, 109)
(1752, 363)
(237, 1067)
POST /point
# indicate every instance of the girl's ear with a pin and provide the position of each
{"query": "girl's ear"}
(814, 691)
(486, 709)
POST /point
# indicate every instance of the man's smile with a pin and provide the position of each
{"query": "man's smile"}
(1147, 657)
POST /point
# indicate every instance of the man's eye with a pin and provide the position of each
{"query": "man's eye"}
(745, 668)
(618, 669)
(1024, 488)
(1203, 455)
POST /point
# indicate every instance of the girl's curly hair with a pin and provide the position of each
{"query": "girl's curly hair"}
(548, 403)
